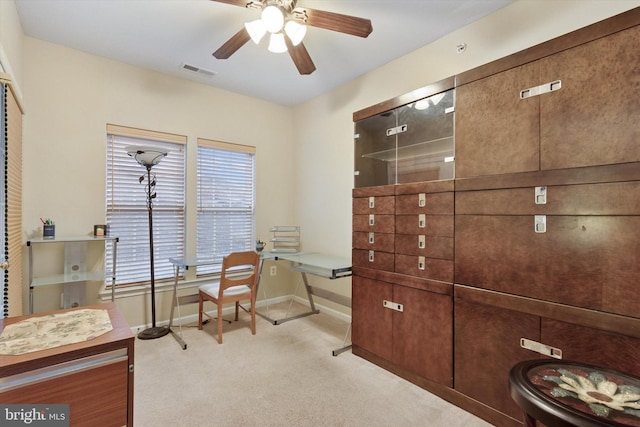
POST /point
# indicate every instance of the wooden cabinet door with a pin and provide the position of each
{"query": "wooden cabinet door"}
(423, 334)
(496, 131)
(593, 118)
(371, 322)
(584, 261)
(487, 345)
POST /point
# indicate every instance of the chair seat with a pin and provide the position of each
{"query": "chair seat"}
(214, 288)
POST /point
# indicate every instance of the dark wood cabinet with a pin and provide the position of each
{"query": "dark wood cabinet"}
(489, 329)
(405, 324)
(575, 108)
(531, 251)
(424, 230)
(373, 238)
(586, 255)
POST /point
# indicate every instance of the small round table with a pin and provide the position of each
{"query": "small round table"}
(565, 393)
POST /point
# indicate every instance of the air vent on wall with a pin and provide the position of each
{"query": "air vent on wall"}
(197, 70)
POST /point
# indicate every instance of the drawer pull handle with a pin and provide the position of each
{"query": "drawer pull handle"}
(372, 202)
(371, 256)
(421, 263)
(539, 90)
(372, 220)
(540, 223)
(422, 221)
(541, 195)
(538, 347)
(393, 305)
(371, 238)
(422, 200)
(422, 241)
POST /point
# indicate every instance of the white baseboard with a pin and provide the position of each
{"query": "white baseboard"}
(262, 303)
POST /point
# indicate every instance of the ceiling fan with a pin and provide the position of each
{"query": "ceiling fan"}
(286, 24)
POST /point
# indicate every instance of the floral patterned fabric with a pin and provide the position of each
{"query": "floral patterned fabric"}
(55, 330)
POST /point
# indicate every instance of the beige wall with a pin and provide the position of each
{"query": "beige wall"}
(305, 170)
(72, 95)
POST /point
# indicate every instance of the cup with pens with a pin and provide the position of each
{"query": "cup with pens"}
(48, 229)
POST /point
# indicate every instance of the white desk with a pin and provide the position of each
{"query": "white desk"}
(328, 266)
(317, 264)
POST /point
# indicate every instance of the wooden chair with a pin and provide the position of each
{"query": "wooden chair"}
(236, 284)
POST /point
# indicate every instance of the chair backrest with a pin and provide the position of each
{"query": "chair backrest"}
(240, 268)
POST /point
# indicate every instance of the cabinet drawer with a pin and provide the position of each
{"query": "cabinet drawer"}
(373, 259)
(425, 203)
(616, 198)
(428, 268)
(373, 222)
(384, 242)
(429, 225)
(422, 245)
(374, 205)
(584, 261)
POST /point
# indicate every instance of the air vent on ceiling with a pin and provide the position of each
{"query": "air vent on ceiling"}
(197, 70)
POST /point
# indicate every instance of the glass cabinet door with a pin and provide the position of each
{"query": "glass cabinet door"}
(425, 146)
(375, 150)
(412, 143)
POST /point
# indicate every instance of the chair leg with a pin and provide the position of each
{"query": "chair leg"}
(200, 304)
(237, 307)
(219, 323)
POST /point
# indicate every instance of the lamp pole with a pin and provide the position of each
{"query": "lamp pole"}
(148, 157)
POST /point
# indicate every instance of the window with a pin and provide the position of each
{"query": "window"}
(126, 204)
(226, 200)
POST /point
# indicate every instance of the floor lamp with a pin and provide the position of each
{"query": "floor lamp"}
(149, 157)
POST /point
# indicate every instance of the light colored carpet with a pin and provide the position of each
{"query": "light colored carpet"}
(285, 375)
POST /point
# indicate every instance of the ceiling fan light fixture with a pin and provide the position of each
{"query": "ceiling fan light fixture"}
(273, 18)
(256, 30)
(277, 43)
(295, 31)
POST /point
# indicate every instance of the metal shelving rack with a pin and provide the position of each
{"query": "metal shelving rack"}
(286, 238)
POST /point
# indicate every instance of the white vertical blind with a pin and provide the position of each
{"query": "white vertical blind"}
(126, 205)
(226, 200)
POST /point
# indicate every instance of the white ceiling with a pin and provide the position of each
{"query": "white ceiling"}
(162, 35)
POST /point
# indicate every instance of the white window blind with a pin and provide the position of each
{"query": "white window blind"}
(126, 204)
(226, 201)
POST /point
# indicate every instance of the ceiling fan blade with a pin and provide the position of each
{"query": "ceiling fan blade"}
(233, 44)
(241, 3)
(337, 22)
(300, 57)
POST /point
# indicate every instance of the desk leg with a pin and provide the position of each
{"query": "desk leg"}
(344, 347)
(175, 303)
(313, 310)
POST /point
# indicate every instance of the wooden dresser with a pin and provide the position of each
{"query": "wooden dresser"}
(94, 377)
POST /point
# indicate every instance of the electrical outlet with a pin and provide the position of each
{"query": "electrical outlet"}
(273, 270)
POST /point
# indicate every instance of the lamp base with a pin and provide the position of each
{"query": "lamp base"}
(153, 333)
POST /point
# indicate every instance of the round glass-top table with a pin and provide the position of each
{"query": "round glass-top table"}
(565, 393)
